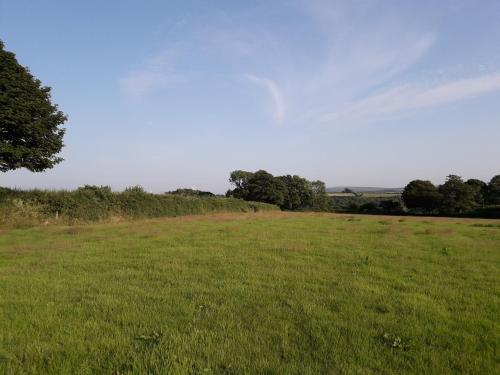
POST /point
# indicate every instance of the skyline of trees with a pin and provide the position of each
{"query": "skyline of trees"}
(288, 192)
(454, 197)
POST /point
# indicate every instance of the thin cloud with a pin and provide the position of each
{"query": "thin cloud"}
(408, 98)
(156, 74)
(275, 93)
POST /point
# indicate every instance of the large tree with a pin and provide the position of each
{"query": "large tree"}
(458, 197)
(421, 196)
(494, 190)
(240, 180)
(264, 187)
(30, 133)
(321, 200)
(299, 193)
(288, 192)
(480, 190)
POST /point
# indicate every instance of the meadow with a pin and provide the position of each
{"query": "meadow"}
(252, 293)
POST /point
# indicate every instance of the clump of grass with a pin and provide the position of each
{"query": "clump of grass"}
(482, 225)
(353, 218)
(152, 339)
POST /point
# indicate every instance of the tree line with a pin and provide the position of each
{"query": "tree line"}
(454, 197)
(288, 192)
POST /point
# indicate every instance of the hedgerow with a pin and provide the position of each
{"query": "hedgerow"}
(99, 203)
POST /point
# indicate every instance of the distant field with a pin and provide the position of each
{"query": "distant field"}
(266, 293)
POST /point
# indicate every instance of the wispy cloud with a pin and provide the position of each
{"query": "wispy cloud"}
(275, 94)
(408, 98)
(157, 73)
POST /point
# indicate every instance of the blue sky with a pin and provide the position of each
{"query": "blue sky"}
(171, 94)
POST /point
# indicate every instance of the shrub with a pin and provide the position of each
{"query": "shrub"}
(95, 203)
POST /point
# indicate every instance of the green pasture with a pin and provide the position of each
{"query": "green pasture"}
(252, 293)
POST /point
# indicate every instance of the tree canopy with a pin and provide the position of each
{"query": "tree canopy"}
(421, 196)
(494, 190)
(288, 192)
(458, 197)
(30, 136)
(480, 190)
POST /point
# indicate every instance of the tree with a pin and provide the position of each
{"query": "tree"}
(480, 189)
(458, 197)
(321, 201)
(240, 180)
(30, 136)
(421, 196)
(288, 192)
(494, 190)
(264, 187)
(298, 194)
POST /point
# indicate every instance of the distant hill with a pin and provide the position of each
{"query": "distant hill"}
(364, 189)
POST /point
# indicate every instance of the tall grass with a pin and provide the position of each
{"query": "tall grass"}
(100, 203)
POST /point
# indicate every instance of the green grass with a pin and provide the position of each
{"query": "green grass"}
(267, 293)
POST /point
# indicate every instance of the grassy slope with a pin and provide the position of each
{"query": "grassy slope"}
(269, 293)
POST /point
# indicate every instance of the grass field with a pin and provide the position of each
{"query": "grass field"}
(266, 293)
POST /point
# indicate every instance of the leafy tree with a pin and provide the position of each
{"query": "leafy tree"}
(494, 190)
(288, 192)
(299, 192)
(458, 197)
(480, 189)
(321, 200)
(421, 196)
(30, 136)
(240, 180)
(264, 187)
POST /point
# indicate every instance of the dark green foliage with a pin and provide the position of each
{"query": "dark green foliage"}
(421, 197)
(494, 190)
(488, 212)
(320, 200)
(240, 180)
(391, 205)
(264, 187)
(480, 189)
(94, 203)
(30, 136)
(191, 193)
(299, 194)
(288, 192)
(457, 196)
(382, 207)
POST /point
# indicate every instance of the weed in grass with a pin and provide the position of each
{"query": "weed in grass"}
(395, 342)
(152, 339)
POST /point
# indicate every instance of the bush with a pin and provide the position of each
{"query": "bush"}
(96, 203)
